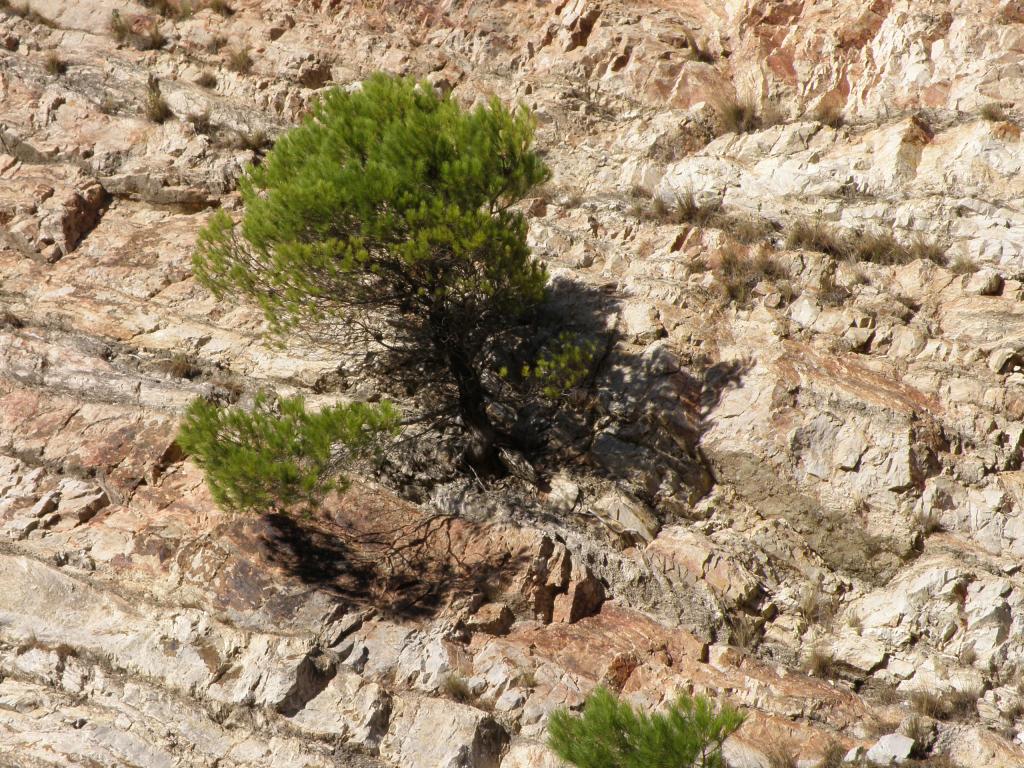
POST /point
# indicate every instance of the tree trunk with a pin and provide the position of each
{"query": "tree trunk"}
(482, 449)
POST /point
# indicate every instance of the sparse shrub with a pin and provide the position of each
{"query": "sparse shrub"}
(611, 734)
(922, 248)
(55, 65)
(816, 607)
(160, 7)
(154, 39)
(819, 662)
(738, 273)
(855, 622)
(118, 26)
(745, 229)
(14, 8)
(206, 79)
(829, 113)
(457, 689)
(968, 655)
(877, 248)
(574, 200)
(744, 631)
(562, 365)
(528, 679)
(781, 756)
(815, 235)
(180, 366)
(963, 265)
(279, 455)
(10, 320)
(738, 116)
(240, 61)
(834, 756)
(216, 43)
(689, 211)
(929, 522)
(155, 106)
(949, 705)
(253, 139)
(922, 732)
(108, 104)
(221, 7)
(25, 11)
(202, 123)
(994, 113)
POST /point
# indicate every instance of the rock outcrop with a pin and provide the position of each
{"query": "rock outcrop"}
(807, 493)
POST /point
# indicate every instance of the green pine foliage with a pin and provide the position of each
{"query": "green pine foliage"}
(611, 734)
(278, 456)
(386, 219)
(562, 365)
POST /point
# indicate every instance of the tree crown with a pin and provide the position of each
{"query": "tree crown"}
(390, 199)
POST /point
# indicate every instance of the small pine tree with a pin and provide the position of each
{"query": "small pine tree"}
(611, 734)
(386, 221)
(278, 456)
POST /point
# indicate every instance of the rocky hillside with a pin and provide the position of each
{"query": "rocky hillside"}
(801, 223)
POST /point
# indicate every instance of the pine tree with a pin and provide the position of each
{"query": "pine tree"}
(386, 220)
(278, 456)
(611, 734)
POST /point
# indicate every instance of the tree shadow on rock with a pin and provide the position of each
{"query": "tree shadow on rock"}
(370, 549)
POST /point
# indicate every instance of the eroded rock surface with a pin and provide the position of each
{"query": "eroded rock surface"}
(808, 498)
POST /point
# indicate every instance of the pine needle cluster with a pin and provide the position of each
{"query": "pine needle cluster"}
(279, 456)
(611, 734)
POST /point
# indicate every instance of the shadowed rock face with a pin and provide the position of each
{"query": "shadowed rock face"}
(806, 497)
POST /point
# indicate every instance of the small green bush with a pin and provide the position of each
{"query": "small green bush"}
(275, 458)
(562, 366)
(611, 734)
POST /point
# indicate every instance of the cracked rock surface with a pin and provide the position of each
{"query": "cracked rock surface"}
(808, 495)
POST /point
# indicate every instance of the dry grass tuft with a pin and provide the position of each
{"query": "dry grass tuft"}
(873, 246)
(55, 65)
(816, 235)
(833, 756)
(828, 113)
(202, 123)
(994, 113)
(179, 366)
(820, 663)
(155, 106)
(240, 61)
(456, 688)
(207, 80)
(738, 116)
(781, 756)
(950, 705)
(738, 273)
(221, 7)
(963, 265)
